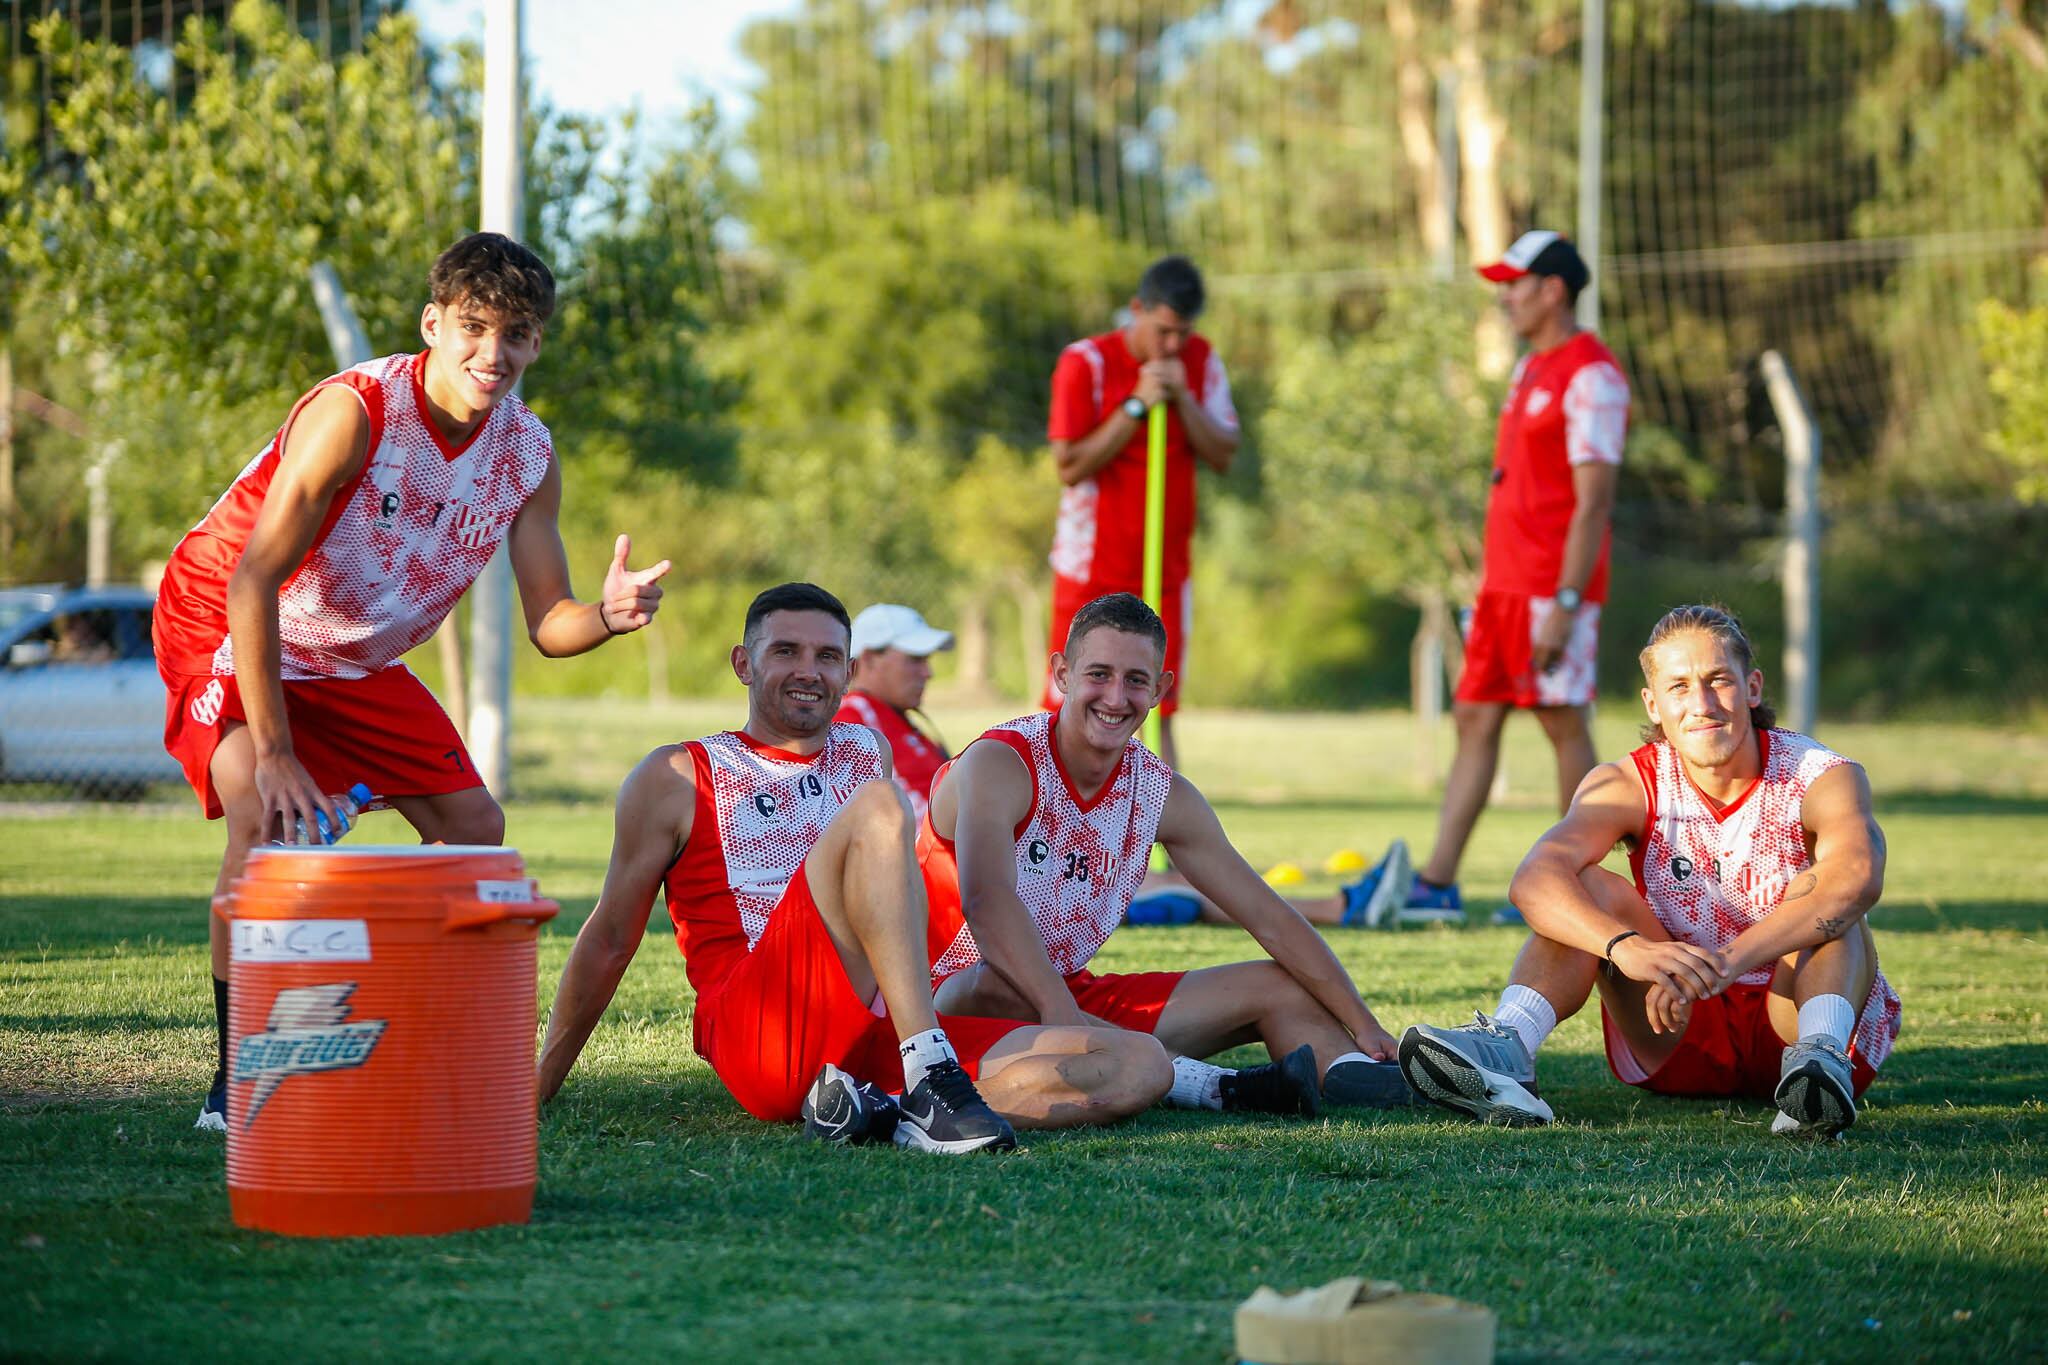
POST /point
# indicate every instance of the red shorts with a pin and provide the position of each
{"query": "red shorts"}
(1730, 1048)
(385, 730)
(1131, 1000)
(1499, 649)
(786, 1009)
(1069, 595)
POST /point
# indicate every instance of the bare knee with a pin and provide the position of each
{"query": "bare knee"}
(477, 820)
(1130, 1073)
(1562, 723)
(877, 810)
(1478, 720)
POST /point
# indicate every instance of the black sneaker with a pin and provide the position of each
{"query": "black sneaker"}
(213, 1115)
(847, 1112)
(1366, 1084)
(945, 1113)
(1287, 1086)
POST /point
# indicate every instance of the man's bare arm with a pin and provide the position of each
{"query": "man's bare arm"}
(556, 622)
(657, 804)
(1214, 444)
(1844, 881)
(325, 449)
(988, 792)
(1608, 806)
(1593, 490)
(1203, 853)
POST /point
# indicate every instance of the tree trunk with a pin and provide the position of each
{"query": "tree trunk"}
(6, 461)
(1481, 133)
(1415, 114)
(454, 685)
(1032, 621)
(971, 636)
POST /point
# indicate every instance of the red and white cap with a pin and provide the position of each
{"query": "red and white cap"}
(1541, 252)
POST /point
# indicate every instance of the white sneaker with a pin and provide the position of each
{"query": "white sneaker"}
(1816, 1089)
(213, 1115)
(1481, 1070)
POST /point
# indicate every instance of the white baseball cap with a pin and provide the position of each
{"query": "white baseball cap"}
(886, 625)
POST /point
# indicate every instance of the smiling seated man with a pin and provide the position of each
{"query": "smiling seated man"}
(1739, 962)
(786, 858)
(1037, 837)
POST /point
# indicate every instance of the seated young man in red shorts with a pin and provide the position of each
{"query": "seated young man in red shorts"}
(344, 543)
(1739, 962)
(787, 860)
(1037, 838)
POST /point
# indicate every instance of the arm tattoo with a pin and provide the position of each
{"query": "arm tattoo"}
(1830, 929)
(1802, 887)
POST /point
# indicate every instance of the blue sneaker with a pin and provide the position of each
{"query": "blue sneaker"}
(1371, 899)
(1510, 916)
(1166, 906)
(1428, 904)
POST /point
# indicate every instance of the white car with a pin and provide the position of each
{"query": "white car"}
(80, 700)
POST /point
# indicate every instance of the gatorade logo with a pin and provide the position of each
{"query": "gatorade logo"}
(206, 706)
(309, 1031)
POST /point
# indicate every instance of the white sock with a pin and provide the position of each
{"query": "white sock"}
(1827, 1016)
(1196, 1085)
(1348, 1057)
(1526, 1011)
(923, 1052)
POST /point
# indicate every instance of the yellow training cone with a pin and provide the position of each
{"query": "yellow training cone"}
(1345, 862)
(1285, 874)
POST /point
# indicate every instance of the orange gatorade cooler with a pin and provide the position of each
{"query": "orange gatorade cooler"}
(381, 1017)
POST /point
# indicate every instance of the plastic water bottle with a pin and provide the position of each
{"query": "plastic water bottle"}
(350, 803)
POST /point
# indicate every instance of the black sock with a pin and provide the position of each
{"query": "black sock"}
(220, 1028)
(1434, 886)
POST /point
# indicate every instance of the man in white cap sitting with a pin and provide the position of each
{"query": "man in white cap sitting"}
(892, 649)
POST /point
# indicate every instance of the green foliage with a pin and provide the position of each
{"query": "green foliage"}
(2015, 347)
(1377, 449)
(172, 249)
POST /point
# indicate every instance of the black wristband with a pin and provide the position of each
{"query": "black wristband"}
(1607, 957)
(601, 621)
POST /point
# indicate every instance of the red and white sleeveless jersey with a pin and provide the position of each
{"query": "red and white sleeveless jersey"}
(760, 811)
(1710, 874)
(398, 545)
(1078, 862)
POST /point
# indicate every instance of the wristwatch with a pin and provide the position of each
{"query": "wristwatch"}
(1134, 408)
(1567, 599)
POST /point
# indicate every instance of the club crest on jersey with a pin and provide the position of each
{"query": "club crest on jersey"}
(206, 706)
(387, 512)
(309, 1032)
(1539, 399)
(1681, 866)
(472, 528)
(1037, 851)
(766, 803)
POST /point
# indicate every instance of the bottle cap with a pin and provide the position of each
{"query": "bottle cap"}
(361, 792)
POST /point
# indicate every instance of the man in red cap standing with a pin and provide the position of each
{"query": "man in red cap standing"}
(1535, 627)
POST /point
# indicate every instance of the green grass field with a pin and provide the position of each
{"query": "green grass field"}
(668, 1225)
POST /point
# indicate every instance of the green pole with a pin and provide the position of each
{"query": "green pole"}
(1155, 560)
(1155, 536)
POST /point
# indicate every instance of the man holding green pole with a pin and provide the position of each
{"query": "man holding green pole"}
(1107, 391)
